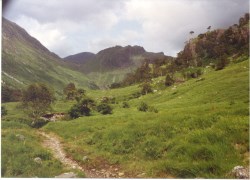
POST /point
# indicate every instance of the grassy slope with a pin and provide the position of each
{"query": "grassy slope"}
(201, 129)
(29, 65)
(18, 155)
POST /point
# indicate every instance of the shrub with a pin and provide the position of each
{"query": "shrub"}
(104, 108)
(125, 105)
(192, 72)
(3, 111)
(82, 108)
(221, 64)
(169, 81)
(143, 107)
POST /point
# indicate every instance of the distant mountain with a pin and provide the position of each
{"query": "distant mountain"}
(80, 58)
(25, 60)
(112, 64)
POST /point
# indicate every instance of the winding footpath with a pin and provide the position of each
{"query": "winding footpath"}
(53, 143)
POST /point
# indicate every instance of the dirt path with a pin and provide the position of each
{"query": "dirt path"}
(53, 143)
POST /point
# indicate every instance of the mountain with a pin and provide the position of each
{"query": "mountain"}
(112, 64)
(80, 58)
(25, 60)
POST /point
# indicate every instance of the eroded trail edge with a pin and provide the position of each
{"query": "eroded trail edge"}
(53, 143)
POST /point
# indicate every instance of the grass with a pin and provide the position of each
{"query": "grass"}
(21, 144)
(201, 129)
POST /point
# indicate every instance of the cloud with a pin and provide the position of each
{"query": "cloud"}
(72, 26)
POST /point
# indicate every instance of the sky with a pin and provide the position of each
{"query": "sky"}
(68, 27)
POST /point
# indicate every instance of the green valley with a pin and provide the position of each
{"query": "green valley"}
(125, 112)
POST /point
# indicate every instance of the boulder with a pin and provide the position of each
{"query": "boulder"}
(85, 158)
(67, 175)
(240, 172)
(38, 160)
(20, 137)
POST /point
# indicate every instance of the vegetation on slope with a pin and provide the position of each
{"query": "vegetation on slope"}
(25, 60)
(201, 129)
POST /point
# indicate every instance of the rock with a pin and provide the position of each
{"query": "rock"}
(85, 158)
(38, 160)
(120, 174)
(116, 169)
(240, 172)
(103, 170)
(20, 137)
(92, 169)
(67, 175)
(107, 175)
(141, 175)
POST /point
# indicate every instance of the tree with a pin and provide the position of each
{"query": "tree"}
(70, 91)
(169, 81)
(146, 88)
(191, 33)
(11, 95)
(37, 99)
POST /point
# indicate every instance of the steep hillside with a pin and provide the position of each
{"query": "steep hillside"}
(214, 46)
(25, 60)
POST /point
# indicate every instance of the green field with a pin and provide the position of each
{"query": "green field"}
(201, 129)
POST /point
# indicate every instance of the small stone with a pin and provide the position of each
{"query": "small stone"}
(67, 175)
(141, 175)
(20, 137)
(85, 158)
(38, 160)
(240, 172)
(92, 169)
(120, 174)
(116, 169)
(103, 170)
(107, 174)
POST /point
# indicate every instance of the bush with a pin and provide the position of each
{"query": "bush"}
(104, 108)
(82, 108)
(125, 105)
(169, 81)
(3, 111)
(221, 64)
(143, 107)
(192, 72)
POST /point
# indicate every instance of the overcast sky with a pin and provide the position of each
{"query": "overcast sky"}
(71, 26)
